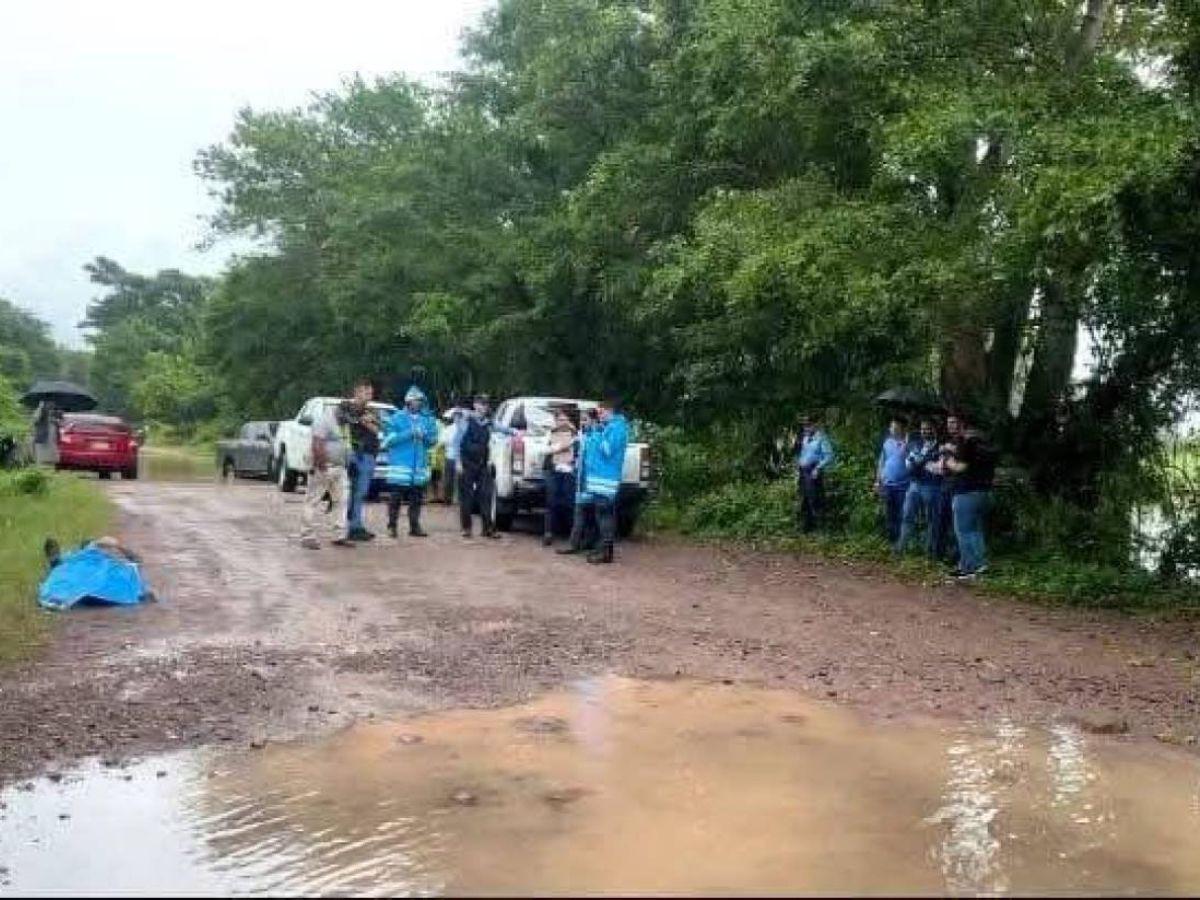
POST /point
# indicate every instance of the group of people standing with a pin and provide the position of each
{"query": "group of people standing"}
(582, 469)
(938, 478)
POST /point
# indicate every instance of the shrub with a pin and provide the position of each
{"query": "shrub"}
(24, 482)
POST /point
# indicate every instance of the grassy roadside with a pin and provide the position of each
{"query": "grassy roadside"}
(1048, 579)
(33, 506)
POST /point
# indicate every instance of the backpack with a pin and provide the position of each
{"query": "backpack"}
(473, 451)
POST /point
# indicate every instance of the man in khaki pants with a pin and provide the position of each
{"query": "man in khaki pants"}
(328, 476)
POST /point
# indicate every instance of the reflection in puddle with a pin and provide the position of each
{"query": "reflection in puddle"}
(629, 787)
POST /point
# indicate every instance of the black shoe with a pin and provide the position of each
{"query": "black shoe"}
(391, 529)
(570, 550)
(467, 534)
(343, 542)
(361, 534)
(547, 540)
(601, 557)
(418, 532)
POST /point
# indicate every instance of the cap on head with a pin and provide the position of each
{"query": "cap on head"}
(414, 395)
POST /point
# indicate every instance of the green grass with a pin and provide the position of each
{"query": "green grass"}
(33, 506)
(761, 516)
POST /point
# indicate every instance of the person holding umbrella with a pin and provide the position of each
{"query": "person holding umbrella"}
(49, 400)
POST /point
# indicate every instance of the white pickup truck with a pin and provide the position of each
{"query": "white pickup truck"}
(292, 452)
(518, 462)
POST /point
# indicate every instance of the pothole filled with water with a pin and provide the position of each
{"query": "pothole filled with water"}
(619, 786)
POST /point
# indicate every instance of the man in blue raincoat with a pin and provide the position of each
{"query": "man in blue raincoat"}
(583, 519)
(407, 437)
(605, 455)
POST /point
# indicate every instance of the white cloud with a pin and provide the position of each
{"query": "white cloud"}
(104, 106)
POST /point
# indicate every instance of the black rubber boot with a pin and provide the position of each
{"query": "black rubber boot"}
(603, 555)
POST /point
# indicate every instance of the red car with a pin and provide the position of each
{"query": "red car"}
(94, 443)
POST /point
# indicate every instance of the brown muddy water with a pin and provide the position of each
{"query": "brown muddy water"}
(618, 786)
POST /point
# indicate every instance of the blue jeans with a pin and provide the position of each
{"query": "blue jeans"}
(364, 471)
(560, 498)
(893, 501)
(923, 500)
(969, 512)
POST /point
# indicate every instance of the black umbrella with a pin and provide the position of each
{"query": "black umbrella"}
(910, 398)
(66, 396)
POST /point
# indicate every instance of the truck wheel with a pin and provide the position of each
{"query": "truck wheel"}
(286, 478)
(626, 521)
(228, 472)
(503, 512)
(130, 474)
(104, 476)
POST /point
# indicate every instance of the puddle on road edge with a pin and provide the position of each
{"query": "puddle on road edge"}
(619, 786)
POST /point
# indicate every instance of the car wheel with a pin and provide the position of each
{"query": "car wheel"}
(130, 474)
(228, 472)
(104, 476)
(285, 477)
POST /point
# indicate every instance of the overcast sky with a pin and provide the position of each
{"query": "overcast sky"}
(104, 103)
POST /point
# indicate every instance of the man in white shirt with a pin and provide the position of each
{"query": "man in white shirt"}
(328, 476)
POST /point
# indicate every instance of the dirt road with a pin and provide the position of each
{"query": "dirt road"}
(256, 639)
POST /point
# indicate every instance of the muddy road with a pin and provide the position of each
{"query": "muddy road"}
(256, 640)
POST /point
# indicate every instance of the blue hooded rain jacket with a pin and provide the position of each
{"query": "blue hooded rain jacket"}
(407, 438)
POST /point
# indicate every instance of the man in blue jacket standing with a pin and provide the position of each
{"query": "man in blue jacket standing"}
(605, 460)
(408, 435)
(814, 457)
(892, 476)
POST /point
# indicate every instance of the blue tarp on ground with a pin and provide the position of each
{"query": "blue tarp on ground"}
(91, 574)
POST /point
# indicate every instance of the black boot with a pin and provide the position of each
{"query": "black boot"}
(603, 555)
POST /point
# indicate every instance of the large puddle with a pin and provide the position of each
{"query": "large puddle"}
(617, 786)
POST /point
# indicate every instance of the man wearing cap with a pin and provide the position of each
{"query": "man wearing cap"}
(475, 482)
(409, 434)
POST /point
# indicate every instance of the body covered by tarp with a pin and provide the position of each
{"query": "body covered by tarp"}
(93, 575)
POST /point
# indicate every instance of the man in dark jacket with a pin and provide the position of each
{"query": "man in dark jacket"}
(475, 481)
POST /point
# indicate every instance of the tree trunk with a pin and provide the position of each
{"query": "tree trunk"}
(1058, 326)
(1094, 17)
(1054, 356)
(964, 368)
